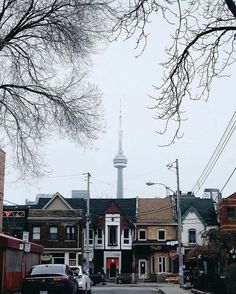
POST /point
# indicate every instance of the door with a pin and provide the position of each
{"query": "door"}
(113, 270)
(112, 267)
(142, 269)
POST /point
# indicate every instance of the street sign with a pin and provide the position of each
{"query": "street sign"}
(172, 243)
(25, 236)
(27, 247)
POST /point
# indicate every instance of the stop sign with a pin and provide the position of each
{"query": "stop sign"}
(173, 254)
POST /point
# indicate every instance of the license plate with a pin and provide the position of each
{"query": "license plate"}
(43, 292)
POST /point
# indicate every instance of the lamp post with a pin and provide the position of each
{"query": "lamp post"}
(180, 253)
(179, 220)
(167, 188)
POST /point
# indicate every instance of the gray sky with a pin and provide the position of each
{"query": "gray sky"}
(120, 75)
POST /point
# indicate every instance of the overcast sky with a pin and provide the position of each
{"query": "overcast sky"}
(122, 76)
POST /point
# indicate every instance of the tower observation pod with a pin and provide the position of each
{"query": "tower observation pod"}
(120, 162)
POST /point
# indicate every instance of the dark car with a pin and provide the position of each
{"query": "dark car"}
(50, 279)
(97, 278)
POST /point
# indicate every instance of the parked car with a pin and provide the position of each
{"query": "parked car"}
(97, 278)
(84, 282)
(50, 279)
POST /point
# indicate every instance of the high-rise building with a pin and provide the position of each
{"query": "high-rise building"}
(79, 194)
(120, 162)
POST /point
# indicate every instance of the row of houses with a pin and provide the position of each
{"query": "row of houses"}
(130, 235)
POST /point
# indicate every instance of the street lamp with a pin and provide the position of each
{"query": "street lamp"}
(167, 188)
(179, 220)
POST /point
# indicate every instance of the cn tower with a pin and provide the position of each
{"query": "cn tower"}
(120, 162)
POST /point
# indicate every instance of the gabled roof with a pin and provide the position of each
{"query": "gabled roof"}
(152, 210)
(204, 207)
(57, 197)
(97, 206)
(126, 205)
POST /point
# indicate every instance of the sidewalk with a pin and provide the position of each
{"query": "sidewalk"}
(163, 287)
(169, 288)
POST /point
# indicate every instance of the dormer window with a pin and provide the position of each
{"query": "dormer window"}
(142, 235)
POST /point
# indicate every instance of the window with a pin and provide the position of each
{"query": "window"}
(161, 235)
(152, 264)
(70, 233)
(90, 237)
(72, 259)
(161, 264)
(230, 212)
(36, 233)
(99, 236)
(192, 236)
(112, 235)
(126, 235)
(142, 235)
(53, 233)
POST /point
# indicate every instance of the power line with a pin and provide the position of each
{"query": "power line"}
(228, 180)
(216, 154)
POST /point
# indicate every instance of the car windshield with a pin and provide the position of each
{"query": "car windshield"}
(48, 270)
(76, 270)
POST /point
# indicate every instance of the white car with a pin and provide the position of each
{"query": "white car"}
(82, 278)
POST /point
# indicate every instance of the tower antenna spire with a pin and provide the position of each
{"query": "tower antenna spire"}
(120, 161)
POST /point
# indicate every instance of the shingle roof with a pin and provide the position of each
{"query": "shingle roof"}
(155, 210)
(205, 207)
(97, 205)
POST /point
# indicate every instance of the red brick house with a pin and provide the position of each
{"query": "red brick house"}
(227, 213)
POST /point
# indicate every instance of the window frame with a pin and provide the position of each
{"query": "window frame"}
(162, 264)
(191, 239)
(51, 234)
(71, 234)
(99, 240)
(230, 212)
(158, 235)
(112, 235)
(142, 231)
(126, 240)
(36, 233)
(91, 236)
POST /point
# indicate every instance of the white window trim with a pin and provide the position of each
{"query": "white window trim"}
(192, 243)
(161, 230)
(142, 230)
(36, 233)
(127, 239)
(99, 244)
(160, 262)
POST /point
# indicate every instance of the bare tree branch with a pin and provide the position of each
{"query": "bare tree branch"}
(203, 47)
(45, 46)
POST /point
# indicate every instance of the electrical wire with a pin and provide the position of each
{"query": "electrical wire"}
(228, 179)
(216, 154)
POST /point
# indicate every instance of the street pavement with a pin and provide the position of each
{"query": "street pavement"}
(159, 288)
(170, 288)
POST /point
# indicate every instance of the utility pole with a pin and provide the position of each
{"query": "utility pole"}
(180, 253)
(87, 223)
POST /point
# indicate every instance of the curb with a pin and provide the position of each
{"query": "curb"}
(195, 291)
